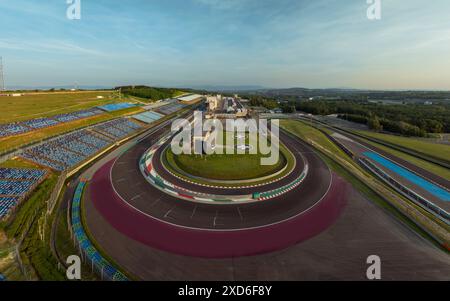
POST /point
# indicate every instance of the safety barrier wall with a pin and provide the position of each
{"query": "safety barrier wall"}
(339, 144)
(416, 198)
(150, 174)
(88, 252)
(286, 188)
(413, 153)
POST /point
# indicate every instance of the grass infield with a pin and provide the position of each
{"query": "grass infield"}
(228, 167)
(224, 167)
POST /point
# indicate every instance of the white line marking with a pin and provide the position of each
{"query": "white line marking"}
(240, 214)
(193, 212)
(168, 212)
(155, 202)
(223, 230)
(136, 197)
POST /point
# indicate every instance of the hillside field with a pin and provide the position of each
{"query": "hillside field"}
(36, 105)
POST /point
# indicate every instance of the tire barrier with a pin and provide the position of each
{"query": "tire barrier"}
(87, 250)
(155, 179)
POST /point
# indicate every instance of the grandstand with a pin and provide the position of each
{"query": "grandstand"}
(148, 117)
(15, 185)
(117, 106)
(70, 150)
(17, 128)
(12, 129)
(101, 264)
(171, 108)
(160, 103)
(117, 129)
(77, 115)
(67, 151)
(40, 123)
(190, 98)
(7, 204)
(21, 174)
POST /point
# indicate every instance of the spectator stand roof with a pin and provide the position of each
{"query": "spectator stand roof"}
(148, 117)
(117, 106)
(190, 98)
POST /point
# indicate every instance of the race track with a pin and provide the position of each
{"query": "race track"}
(322, 230)
(122, 195)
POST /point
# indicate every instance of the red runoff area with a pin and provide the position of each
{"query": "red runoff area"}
(215, 244)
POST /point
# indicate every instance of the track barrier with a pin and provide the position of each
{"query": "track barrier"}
(88, 252)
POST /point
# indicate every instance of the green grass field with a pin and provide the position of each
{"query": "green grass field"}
(226, 167)
(351, 171)
(308, 133)
(35, 105)
(440, 151)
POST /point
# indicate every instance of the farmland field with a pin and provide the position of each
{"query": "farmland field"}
(35, 105)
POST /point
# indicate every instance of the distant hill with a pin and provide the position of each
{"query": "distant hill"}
(65, 87)
(220, 88)
(355, 94)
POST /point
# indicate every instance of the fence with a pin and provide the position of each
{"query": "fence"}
(89, 253)
(53, 200)
(339, 144)
(425, 157)
(417, 199)
(427, 224)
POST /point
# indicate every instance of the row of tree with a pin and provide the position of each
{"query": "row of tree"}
(408, 119)
(378, 124)
(261, 101)
(148, 92)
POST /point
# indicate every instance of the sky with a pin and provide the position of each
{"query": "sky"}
(190, 43)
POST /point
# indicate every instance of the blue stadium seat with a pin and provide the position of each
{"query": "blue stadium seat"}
(15, 185)
(70, 150)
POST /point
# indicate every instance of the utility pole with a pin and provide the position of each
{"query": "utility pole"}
(2, 79)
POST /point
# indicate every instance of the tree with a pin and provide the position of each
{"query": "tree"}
(374, 124)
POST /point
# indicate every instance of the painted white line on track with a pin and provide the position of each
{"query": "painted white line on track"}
(193, 212)
(156, 202)
(136, 197)
(168, 212)
(222, 230)
(240, 213)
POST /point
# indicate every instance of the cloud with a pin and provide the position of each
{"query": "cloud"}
(224, 4)
(49, 46)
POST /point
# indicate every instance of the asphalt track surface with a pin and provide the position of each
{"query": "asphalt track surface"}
(140, 211)
(300, 152)
(131, 186)
(335, 250)
(339, 252)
